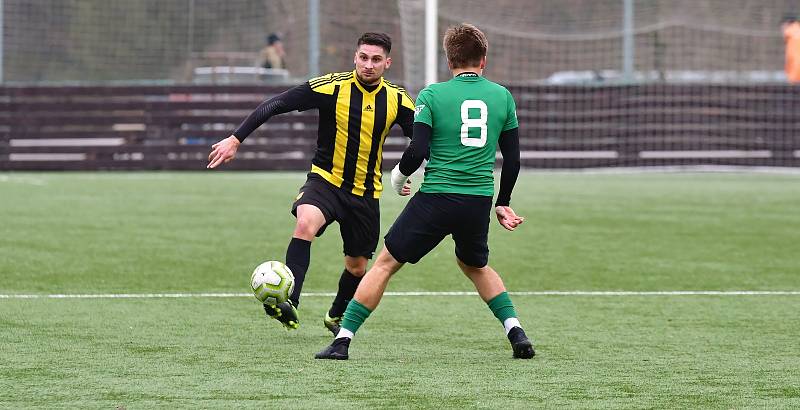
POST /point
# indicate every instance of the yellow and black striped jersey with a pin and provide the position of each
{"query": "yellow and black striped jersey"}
(354, 120)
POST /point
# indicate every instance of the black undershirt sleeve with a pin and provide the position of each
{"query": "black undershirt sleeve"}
(417, 150)
(405, 117)
(509, 147)
(298, 98)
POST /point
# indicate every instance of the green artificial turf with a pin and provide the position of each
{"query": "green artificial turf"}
(137, 233)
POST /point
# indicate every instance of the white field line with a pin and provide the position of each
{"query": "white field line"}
(420, 293)
(30, 180)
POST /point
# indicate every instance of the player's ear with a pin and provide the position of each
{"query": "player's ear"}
(483, 62)
(355, 57)
(388, 62)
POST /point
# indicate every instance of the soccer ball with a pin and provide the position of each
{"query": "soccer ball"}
(272, 282)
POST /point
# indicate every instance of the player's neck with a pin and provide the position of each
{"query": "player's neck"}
(365, 84)
(457, 71)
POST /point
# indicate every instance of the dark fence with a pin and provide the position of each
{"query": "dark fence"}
(659, 124)
(173, 127)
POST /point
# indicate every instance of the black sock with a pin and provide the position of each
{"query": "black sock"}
(348, 284)
(298, 256)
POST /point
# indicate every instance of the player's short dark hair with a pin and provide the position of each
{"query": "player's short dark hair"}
(464, 45)
(376, 39)
(789, 18)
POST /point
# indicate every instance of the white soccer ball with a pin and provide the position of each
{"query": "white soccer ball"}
(272, 282)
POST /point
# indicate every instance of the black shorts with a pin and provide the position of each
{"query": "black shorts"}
(359, 217)
(428, 218)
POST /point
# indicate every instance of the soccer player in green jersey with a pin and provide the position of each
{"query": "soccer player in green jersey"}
(459, 123)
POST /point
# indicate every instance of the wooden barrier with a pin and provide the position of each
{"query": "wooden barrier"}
(659, 124)
(173, 127)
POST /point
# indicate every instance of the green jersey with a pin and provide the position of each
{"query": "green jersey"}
(467, 115)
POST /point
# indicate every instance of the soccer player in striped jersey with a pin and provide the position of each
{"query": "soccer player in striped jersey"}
(459, 123)
(356, 111)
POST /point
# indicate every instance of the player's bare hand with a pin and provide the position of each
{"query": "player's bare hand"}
(223, 151)
(508, 218)
(406, 190)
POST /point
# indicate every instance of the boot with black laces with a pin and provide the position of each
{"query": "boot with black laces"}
(336, 351)
(520, 344)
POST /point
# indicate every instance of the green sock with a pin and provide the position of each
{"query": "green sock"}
(355, 315)
(501, 307)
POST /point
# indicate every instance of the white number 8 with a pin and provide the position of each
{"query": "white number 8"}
(467, 123)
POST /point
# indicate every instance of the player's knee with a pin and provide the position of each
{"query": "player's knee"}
(305, 228)
(468, 270)
(356, 266)
(471, 270)
(356, 270)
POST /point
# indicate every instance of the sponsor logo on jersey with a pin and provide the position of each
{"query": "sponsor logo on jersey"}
(418, 109)
(368, 108)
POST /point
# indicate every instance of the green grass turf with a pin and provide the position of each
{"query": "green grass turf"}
(204, 232)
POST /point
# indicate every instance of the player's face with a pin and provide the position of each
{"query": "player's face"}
(371, 61)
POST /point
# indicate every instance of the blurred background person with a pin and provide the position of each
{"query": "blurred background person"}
(273, 55)
(791, 36)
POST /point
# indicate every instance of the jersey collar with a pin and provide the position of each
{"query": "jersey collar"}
(361, 87)
(468, 76)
